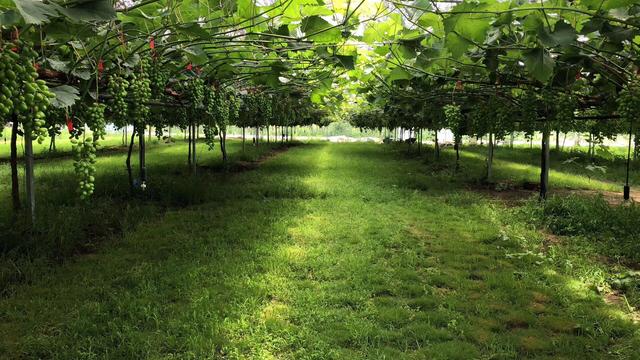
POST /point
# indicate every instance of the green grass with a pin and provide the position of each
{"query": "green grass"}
(522, 165)
(323, 252)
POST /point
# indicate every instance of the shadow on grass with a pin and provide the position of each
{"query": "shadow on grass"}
(357, 268)
(151, 293)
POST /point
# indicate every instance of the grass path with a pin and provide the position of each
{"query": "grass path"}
(324, 252)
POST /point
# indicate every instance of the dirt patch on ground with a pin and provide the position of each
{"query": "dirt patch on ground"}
(549, 241)
(514, 193)
(619, 300)
(241, 165)
(612, 197)
(246, 165)
(510, 193)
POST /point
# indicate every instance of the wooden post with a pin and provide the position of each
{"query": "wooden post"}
(189, 144)
(194, 160)
(28, 167)
(141, 154)
(437, 146)
(627, 188)
(544, 164)
(15, 183)
(490, 159)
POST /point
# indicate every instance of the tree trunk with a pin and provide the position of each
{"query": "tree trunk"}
(243, 139)
(257, 135)
(512, 139)
(490, 159)
(52, 143)
(194, 160)
(458, 143)
(149, 133)
(128, 161)
(30, 185)
(436, 145)
(223, 145)
(627, 188)
(142, 160)
(544, 164)
(189, 144)
(268, 140)
(558, 140)
(15, 184)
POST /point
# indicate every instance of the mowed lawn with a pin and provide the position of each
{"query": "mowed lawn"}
(346, 251)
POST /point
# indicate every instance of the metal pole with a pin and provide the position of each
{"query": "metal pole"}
(30, 186)
(627, 188)
(544, 164)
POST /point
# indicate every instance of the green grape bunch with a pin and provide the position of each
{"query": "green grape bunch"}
(453, 115)
(196, 90)
(84, 155)
(22, 93)
(118, 88)
(564, 106)
(96, 122)
(159, 77)
(629, 102)
(141, 94)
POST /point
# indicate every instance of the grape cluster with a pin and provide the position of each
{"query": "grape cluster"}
(196, 89)
(455, 120)
(213, 115)
(453, 115)
(95, 121)
(629, 102)
(140, 93)
(264, 103)
(118, 87)
(528, 112)
(84, 155)
(159, 78)
(22, 93)
(234, 106)
(564, 107)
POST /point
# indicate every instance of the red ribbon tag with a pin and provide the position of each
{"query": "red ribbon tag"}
(152, 43)
(36, 66)
(189, 67)
(100, 66)
(69, 124)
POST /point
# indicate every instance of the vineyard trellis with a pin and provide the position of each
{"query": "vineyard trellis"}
(483, 68)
